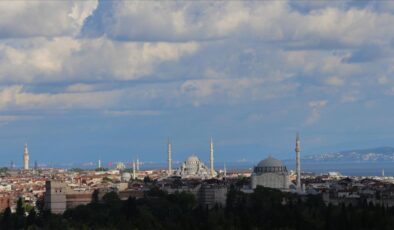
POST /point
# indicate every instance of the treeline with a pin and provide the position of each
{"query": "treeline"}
(263, 209)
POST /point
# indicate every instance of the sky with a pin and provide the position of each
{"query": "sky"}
(83, 80)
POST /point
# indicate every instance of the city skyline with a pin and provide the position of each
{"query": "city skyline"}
(116, 78)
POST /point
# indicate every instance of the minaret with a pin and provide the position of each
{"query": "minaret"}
(26, 158)
(298, 162)
(138, 164)
(169, 158)
(211, 159)
(224, 171)
(134, 175)
(99, 164)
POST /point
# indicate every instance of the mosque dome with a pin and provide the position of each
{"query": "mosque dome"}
(270, 164)
(192, 160)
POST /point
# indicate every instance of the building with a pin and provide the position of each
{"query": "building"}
(194, 168)
(55, 196)
(5, 201)
(271, 173)
(26, 158)
(212, 194)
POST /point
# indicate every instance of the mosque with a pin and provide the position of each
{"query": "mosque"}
(193, 167)
(272, 173)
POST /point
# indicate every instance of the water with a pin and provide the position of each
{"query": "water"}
(346, 168)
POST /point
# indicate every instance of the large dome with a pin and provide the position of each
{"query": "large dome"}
(270, 162)
(192, 160)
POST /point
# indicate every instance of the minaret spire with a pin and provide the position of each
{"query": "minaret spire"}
(134, 173)
(26, 158)
(298, 162)
(211, 159)
(224, 171)
(169, 152)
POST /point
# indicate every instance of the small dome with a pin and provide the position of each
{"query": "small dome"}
(270, 162)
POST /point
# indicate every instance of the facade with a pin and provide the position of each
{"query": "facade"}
(5, 201)
(55, 196)
(271, 173)
(26, 158)
(194, 168)
(211, 195)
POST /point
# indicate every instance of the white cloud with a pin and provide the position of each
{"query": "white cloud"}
(15, 97)
(65, 58)
(335, 81)
(43, 18)
(315, 107)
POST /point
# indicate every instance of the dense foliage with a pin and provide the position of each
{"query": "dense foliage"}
(263, 209)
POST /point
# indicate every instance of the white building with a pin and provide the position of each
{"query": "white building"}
(271, 173)
(194, 168)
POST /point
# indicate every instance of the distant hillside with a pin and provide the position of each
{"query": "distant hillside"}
(360, 155)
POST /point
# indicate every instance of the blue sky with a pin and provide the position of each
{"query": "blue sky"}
(82, 80)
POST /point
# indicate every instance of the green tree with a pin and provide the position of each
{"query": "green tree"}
(31, 218)
(6, 220)
(20, 214)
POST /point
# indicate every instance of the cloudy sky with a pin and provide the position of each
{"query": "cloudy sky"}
(81, 80)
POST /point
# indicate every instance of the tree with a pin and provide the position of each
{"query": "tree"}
(20, 214)
(20, 209)
(111, 198)
(147, 180)
(6, 220)
(31, 218)
(95, 196)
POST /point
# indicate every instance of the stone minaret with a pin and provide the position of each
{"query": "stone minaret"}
(134, 173)
(224, 171)
(138, 164)
(169, 158)
(26, 158)
(298, 162)
(211, 159)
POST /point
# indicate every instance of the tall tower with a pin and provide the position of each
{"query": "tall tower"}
(99, 164)
(26, 158)
(138, 164)
(211, 159)
(169, 152)
(298, 162)
(134, 173)
(224, 171)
